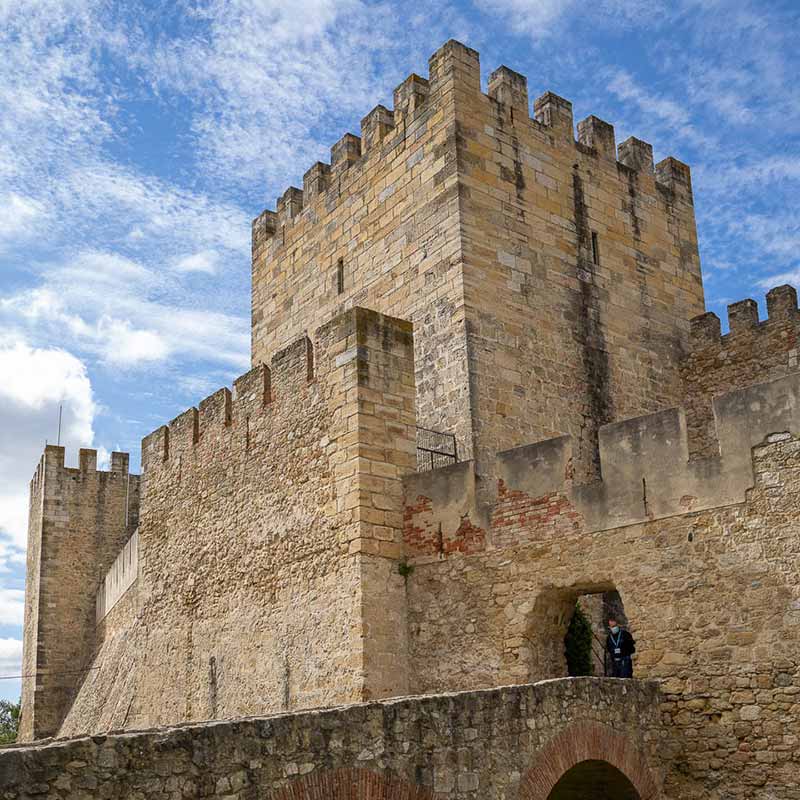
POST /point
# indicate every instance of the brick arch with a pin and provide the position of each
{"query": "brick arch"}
(587, 741)
(350, 784)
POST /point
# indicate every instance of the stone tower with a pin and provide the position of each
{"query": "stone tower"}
(550, 280)
(78, 521)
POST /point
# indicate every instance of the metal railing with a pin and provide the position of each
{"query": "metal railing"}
(435, 449)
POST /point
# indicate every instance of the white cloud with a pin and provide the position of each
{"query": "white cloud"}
(126, 314)
(668, 118)
(12, 607)
(204, 261)
(533, 17)
(266, 77)
(125, 345)
(792, 277)
(18, 215)
(41, 380)
(10, 657)
(538, 18)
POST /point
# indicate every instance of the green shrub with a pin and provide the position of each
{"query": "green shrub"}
(9, 722)
(578, 644)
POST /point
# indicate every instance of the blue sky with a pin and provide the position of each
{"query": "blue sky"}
(138, 140)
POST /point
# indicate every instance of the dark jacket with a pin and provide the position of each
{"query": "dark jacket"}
(626, 644)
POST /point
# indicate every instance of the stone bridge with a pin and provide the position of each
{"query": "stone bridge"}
(555, 740)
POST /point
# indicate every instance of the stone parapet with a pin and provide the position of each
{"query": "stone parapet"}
(445, 746)
(647, 474)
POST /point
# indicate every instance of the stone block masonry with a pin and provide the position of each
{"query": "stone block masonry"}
(706, 561)
(751, 352)
(289, 557)
(79, 520)
(269, 540)
(504, 743)
(550, 280)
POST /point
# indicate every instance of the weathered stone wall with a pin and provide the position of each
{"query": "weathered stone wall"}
(712, 595)
(79, 519)
(508, 744)
(581, 270)
(386, 208)
(269, 539)
(460, 212)
(750, 353)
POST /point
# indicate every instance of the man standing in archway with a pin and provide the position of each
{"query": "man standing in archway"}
(621, 647)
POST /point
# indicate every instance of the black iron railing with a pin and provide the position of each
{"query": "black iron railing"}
(435, 449)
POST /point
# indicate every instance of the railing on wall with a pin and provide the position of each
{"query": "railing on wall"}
(119, 578)
(435, 449)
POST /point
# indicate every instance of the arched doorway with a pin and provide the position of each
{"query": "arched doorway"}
(548, 626)
(596, 780)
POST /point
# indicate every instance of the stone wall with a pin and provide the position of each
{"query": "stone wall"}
(269, 538)
(79, 520)
(751, 352)
(712, 594)
(386, 210)
(506, 744)
(581, 270)
(460, 212)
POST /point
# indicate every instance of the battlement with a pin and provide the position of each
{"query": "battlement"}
(455, 68)
(706, 329)
(290, 370)
(646, 473)
(752, 350)
(54, 457)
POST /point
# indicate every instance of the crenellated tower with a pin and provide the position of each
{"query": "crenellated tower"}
(79, 519)
(550, 280)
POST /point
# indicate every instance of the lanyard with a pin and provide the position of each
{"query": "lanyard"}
(616, 641)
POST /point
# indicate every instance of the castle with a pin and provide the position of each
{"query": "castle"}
(483, 385)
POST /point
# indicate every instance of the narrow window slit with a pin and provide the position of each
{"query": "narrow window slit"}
(595, 248)
(340, 276)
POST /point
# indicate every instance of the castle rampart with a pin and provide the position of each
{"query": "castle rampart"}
(302, 462)
(646, 475)
(704, 554)
(79, 519)
(288, 556)
(751, 352)
(119, 578)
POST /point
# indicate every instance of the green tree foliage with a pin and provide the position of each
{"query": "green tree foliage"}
(578, 644)
(9, 722)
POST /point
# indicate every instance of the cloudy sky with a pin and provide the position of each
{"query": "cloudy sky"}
(139, 138)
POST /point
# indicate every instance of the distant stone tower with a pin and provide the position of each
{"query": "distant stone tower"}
(78, 521)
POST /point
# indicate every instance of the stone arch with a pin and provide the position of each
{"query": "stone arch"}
(350, 784)
(587, 741)
(547, 622)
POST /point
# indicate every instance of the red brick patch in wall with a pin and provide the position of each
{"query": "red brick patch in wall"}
(423, 536)
(519, 517)
(587, 741)
(350, 784)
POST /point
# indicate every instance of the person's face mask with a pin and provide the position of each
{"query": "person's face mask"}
(615, 629)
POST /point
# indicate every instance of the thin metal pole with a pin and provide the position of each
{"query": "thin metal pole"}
(60, 409)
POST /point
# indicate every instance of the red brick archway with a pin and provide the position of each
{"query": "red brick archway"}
(587, 741)
(350, 784)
